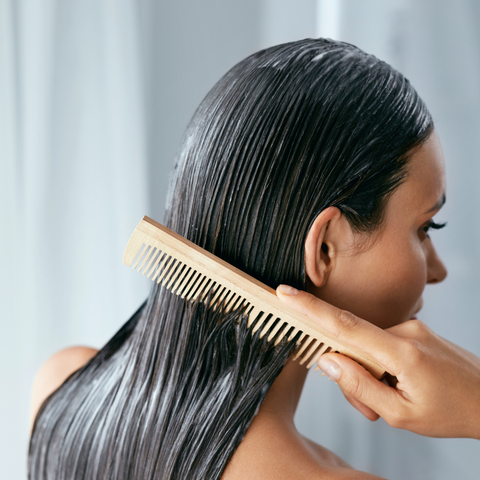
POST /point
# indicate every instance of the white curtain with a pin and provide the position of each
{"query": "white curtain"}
(94, 96)
(73, 185)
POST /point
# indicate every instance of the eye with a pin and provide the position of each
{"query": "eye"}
(435, 226)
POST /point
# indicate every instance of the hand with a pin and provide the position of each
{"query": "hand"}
(438, 389)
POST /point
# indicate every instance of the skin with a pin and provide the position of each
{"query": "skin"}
(438, 389)
(378, 277)
(381, 277)
(54, 372)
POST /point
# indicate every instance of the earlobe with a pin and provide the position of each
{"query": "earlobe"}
(319, 250)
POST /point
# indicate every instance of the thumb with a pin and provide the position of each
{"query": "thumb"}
(367, 394)
(362, 408)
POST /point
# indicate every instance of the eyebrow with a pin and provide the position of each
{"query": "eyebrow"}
(439, 204)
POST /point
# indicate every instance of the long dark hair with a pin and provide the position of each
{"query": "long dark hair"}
(286, 133)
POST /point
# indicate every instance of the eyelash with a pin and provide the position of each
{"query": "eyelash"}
(432, 225)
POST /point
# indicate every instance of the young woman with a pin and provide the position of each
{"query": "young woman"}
(312, 164)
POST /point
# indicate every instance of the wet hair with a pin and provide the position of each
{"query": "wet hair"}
(286, 133)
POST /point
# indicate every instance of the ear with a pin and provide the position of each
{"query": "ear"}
(320, 246)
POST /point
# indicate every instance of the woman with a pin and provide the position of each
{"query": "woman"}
(312, 164)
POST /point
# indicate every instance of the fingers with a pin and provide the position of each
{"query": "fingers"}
(368, 395)
(347, 327)
(362, 408)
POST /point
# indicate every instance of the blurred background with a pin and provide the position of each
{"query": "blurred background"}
(94, 97)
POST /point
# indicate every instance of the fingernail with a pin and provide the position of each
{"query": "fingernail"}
(286, 290)
(330, 368)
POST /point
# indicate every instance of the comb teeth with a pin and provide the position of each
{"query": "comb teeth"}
(231, 300)
(188, 290)
(164, 268)
(189, 284)
(176, 272)
(158, 267)
(305, 342)
(219, 291)
(238, 302)
(140, 256)
(153, 266)
(254, 318)
(285, 331)
(170, 270)
(253, 313)
(313, 346)
(259, 321)
(193, 273)
(151, 255)
(199, 286)
(206, 287)
(186, 283)
(275, 330)
(182, 281)
(318, 353)
(174, 282)
(268, 326)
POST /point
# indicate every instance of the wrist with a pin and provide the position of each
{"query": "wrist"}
(476, 430)
(474, 419)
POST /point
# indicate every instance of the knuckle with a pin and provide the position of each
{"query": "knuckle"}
(397, 417)
(353, 386)
(412, 351)
(347, 320)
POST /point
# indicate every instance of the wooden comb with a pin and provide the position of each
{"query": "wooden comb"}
(190, 271)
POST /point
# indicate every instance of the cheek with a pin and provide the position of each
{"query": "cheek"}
(399, 290)
(383, 286)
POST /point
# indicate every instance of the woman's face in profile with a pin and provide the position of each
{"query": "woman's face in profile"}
(383, 280)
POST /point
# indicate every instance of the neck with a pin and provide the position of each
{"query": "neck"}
(282, 398)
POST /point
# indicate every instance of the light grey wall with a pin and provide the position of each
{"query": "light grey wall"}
(188, 46)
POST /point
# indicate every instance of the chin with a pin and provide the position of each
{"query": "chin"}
(417, 308)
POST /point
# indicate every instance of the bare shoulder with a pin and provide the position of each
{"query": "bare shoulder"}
(272, 450)
(331, 466)
(339, 469)
(54, 372)
(347, 474)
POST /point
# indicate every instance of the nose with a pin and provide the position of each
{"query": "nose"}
(435, 267)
